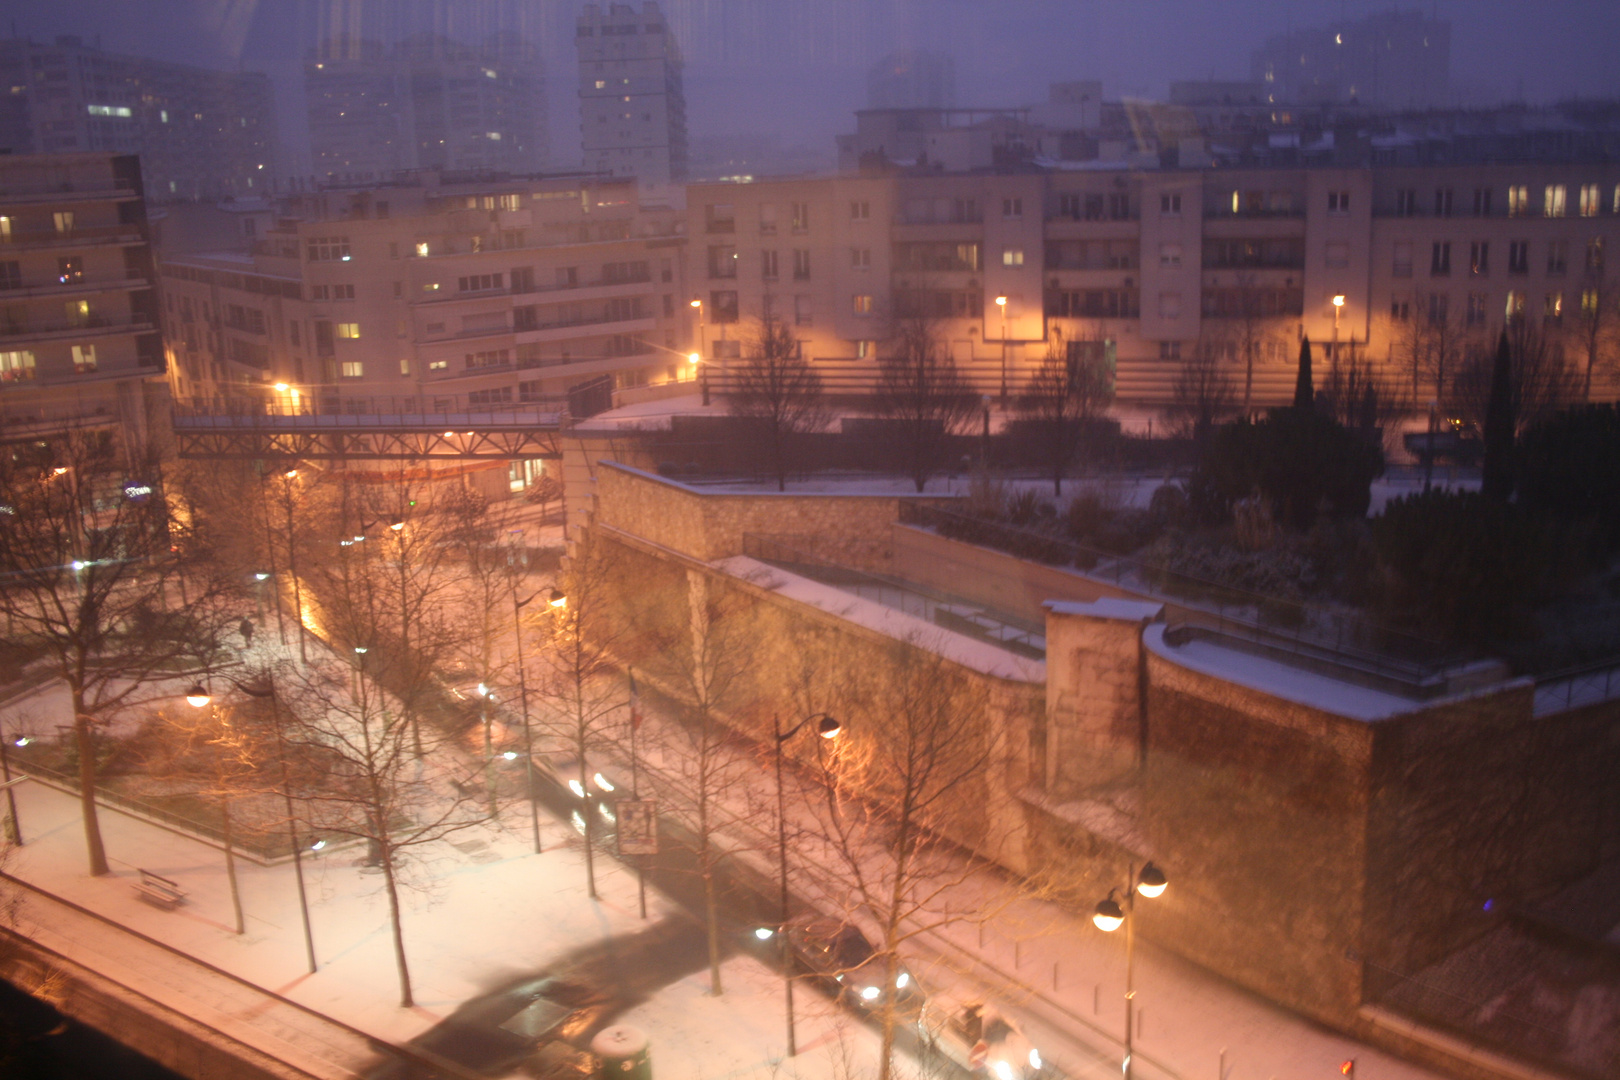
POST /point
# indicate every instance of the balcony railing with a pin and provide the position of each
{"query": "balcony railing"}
(94, 324)
(449, 412)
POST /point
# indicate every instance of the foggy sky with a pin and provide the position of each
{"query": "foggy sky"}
(795, 67)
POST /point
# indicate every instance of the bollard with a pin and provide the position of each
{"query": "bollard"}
(621, 1054)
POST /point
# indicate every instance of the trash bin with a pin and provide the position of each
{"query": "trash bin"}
(621, 1054)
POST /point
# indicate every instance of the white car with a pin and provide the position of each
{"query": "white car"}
(979, 1038)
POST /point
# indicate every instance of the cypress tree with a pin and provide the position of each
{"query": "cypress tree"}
(1496, 479)
(1304, 390)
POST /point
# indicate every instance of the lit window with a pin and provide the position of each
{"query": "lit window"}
(111, 110)
(1590, 299)
(163, 115)
(863, 350)
(1554, 306)
(601, 84)
(1515, 306)
(1518, 200)
(353, 369)
(1552, 200)
(405, 366)
(438, 365)
(1012, 257)
(350, 330)
(5, 226)
(84, 358)
(863, 303)
(328, 248)
(422, 249)
(17, 365)
(63, 220)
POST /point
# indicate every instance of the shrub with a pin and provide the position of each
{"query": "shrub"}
(1570, 470)
(1024, 506)
(1301, 461)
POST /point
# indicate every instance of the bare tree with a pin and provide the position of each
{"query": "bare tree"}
(578, 669)
(88, 573)
(1540, 379)
(778, 390)
(371, 786)
(1072, 386)
(1203, 393)
(1595, 334)
(918, 745)
(920, 390)
(1253, 329)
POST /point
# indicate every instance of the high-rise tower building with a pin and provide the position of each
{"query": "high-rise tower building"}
(200, 134)
(631, 103)
(1392, 59)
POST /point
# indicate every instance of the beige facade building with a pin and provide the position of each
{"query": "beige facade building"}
(1153, 266)
(436, 298)
(79, 339)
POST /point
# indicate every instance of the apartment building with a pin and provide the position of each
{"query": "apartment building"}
(1399, 59)
(1150, 267)
(632, 105)
(79, 338)
(200, 134)
(436, 296)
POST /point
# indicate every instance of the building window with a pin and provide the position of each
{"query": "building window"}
(1554, 307)
(1402, 267)
(404, 366)
(350, 330)
(1552, 200)
(1170, 305)
(475, 283)
(767, 219)
(1478, 305)
(422, 249)
(860, 258)
(1591, 200)
(863, 350)
(1518, 200)
(1338, 202)
(498, 396)
(335, 249)
(1557, 258)
(860, 210)
(1170, 205)
(331, 292)
(492, 358)
(1515, 307)
(1519, 257)
(803, 311)
(801, 217)
(1012, 256)
(63, 220)
(1442, 202)
(1400, 310)
(1439, 309)
(353, 369)
(69, 269)
(438, 365)
(801, 264)
(1338, 255)
(768, 265)
(1169, 350)
(1482, 202)
(1406, 202)
(1479, 258)
(1012, 208)
(11, 276)
(1590, 299)
(1440, 259)
(863, 304)
(723, 307)
(16, 365)
(722, 262)
(720, 218)
(84, 358)
(1594, 257)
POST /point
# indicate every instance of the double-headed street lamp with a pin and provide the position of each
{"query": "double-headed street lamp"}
(199, 697)
(1110, 915)
(827, 727)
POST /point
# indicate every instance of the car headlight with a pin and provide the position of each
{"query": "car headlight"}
(903, 981)
(577, 788)
(1002, 1070)
(1034, 1058)
(870, 993)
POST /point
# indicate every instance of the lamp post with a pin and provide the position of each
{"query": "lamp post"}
(292, 562)
(1338, 308)
(523, 698)
(828, 728)
(198, 697)
(1001, 302)
(13, 827)
(1109, 915)
(697, 357)
(1428, 458)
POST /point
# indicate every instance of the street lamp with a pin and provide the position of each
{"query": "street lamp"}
(1110, 915)
(697, 357)
(523, 697)
(827, 727)
(1001, 302)
(557, 599)
(199, 697)
(1338, 308)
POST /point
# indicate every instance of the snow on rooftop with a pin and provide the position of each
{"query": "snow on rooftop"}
(1281, 680)
(1108, 607)
(980, 656)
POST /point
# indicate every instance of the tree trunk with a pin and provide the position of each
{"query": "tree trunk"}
(587, 814)
(82, 739)
(230, 865)
(711, 900)
(405, 999)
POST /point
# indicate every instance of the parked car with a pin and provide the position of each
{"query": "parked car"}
(977, 1037)
(839, 955)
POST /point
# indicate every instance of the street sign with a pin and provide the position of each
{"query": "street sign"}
(638, 826)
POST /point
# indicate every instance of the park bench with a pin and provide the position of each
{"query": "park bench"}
(159, 891)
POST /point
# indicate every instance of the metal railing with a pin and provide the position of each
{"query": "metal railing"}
(327, 410)
(1575, 687)
(1342, 639)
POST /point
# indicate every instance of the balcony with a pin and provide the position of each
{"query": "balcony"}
(93, 191)
(93, 236)
(21, 331)
(55, 288)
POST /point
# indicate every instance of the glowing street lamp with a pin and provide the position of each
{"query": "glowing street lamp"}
(1001, 302)
(1110, 915)
(829, 728)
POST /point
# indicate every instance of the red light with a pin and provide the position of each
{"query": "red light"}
(1349, 1068)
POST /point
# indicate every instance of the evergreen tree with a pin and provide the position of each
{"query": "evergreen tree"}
(1304, 390)
(1496, 480)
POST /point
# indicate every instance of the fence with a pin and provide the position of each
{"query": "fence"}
(1574, 687)
(431, 411)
